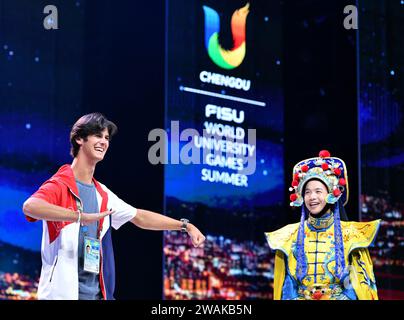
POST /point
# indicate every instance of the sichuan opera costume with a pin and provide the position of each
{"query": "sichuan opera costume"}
(323, 258)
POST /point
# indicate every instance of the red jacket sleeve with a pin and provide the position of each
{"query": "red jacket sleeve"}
(50, 191)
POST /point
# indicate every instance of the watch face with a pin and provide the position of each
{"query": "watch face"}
(184, 225)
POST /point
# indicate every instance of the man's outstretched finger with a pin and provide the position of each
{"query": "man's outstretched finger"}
(106, 213)
(88, 218)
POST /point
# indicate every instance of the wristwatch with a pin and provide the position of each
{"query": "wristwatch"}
(184, 225)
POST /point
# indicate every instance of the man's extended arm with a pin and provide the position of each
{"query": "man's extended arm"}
(42, 210)
(154, 221)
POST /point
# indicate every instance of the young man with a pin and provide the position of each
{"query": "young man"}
(78, 212)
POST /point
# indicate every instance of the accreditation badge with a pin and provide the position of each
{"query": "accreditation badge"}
(91, 255)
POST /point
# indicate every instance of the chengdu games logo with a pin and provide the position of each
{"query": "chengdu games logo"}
(226, 59)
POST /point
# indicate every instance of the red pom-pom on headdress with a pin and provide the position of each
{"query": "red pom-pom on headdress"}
(337, 192)
(337, 171)
(305, 168)
(324, 154)
(293, 197)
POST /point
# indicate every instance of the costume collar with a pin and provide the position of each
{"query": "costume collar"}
(321, 223)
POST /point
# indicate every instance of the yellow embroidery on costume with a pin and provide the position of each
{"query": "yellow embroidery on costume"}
(320, 282)
(358, 236)
(279, 274)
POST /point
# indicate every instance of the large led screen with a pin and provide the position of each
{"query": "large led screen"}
(224, 156)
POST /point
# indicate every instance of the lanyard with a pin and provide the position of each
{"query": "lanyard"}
(85, 228)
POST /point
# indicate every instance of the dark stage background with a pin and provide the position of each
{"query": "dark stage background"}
(381, 61)
(106, 57)
(109, 56)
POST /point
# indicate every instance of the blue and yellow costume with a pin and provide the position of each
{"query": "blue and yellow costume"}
(323, 258)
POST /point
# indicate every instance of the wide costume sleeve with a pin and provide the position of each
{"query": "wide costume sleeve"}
(361, 275)
(279, 274)
(280, 241)
(359, 236)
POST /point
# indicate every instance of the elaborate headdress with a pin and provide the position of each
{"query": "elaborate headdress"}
(332, 172)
